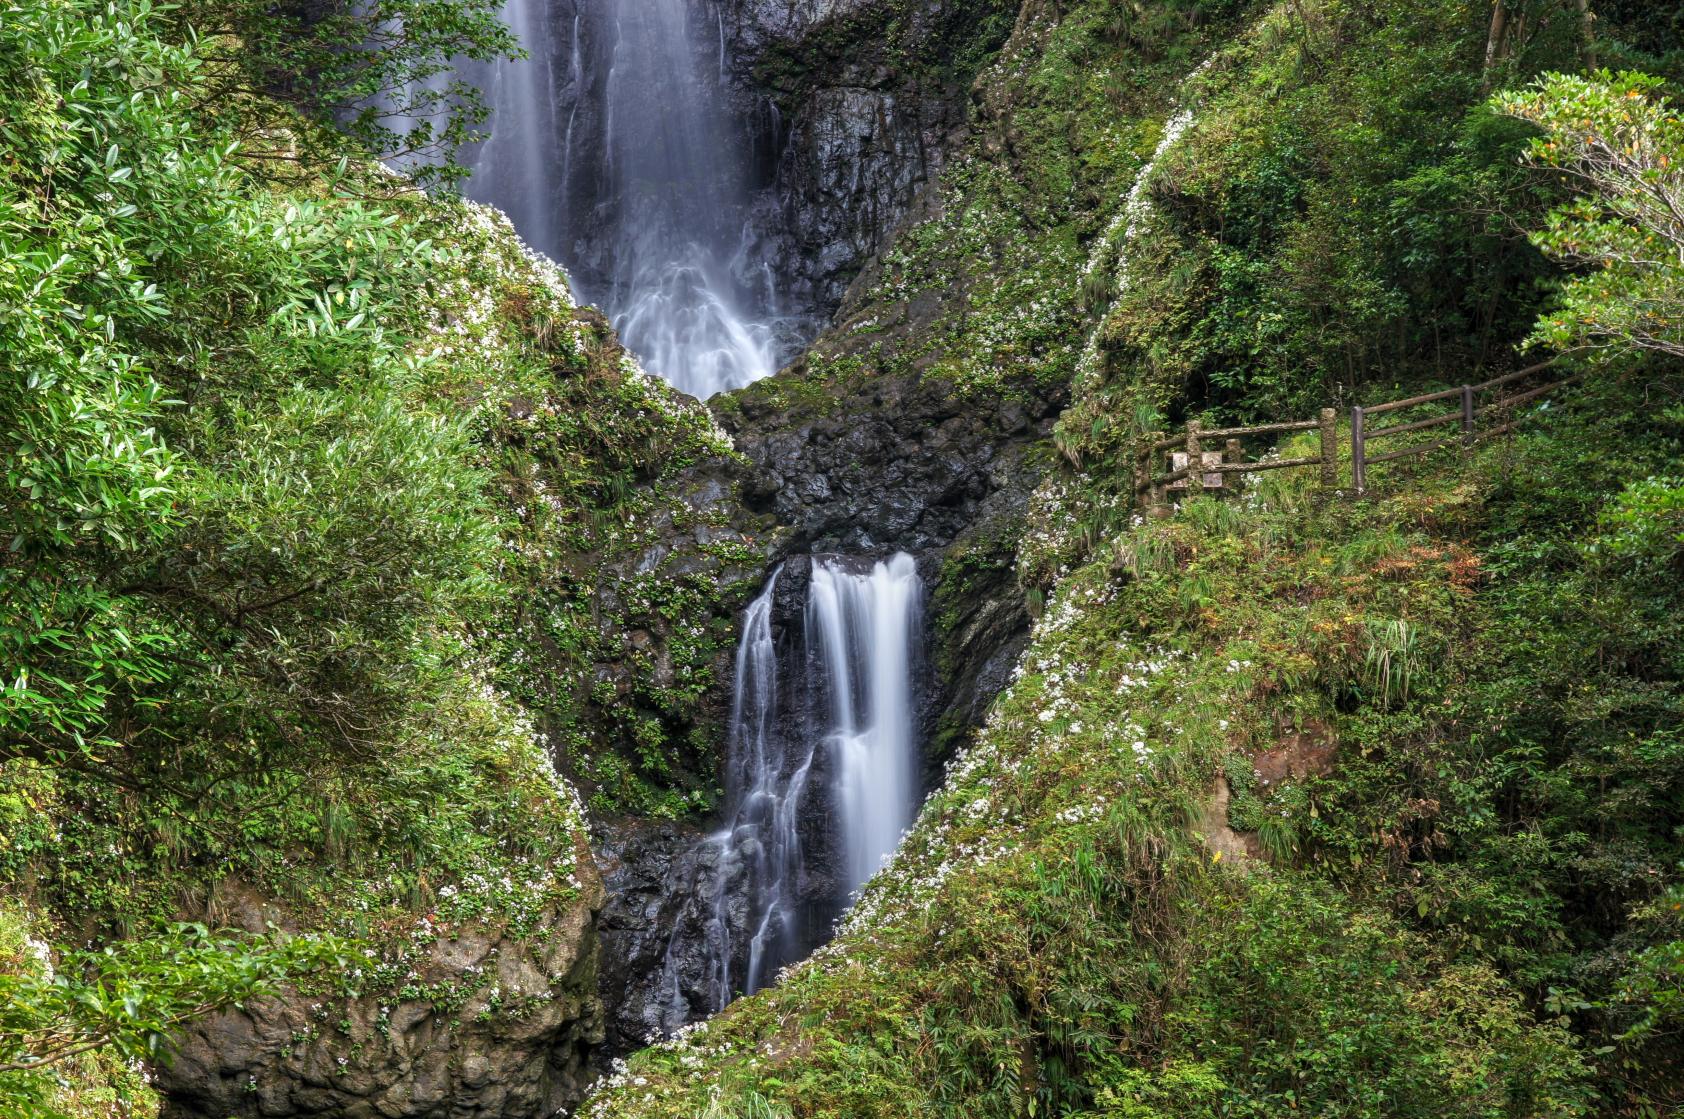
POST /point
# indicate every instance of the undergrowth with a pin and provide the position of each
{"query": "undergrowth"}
(1447, 918)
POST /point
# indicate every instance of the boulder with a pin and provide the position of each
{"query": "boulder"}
(505, 1032)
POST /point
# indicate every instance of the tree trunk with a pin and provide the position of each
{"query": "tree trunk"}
(1494, 40)
(1588, 21)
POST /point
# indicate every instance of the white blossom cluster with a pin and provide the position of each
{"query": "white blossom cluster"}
(690, 1042)
(1080, 813)
(463, 319)
(1052, 537)
(508, 884)
(1049, 527)
(499, 230)
(1138, 204)
(1125, 228)
(656, 396)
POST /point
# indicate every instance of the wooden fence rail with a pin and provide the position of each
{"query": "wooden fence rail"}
(1195, 469)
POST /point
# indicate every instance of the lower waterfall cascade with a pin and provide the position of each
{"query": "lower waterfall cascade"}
(867, 628)
(846, 709)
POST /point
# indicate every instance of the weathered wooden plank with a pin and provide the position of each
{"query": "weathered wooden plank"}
(1359, 462)
(1262, 429)
(1486, 386)
(1195, 460)
(1418, 449)
(1210, 467)
(1410, 402)
(1190, 443)
(1173, 476)
(1258, 467)
(1329, 425)
(1399, 429)
(1521, 398)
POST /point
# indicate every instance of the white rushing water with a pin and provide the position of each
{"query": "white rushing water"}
(865, 626)
(612, 144)
(514, 169)
(679, 193)
(758, 852)
(852, 714)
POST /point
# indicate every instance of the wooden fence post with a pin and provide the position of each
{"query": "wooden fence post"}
(1155, 496)
(1359, 468)
(1195, 461)
(1329, 449)
(1467, 415)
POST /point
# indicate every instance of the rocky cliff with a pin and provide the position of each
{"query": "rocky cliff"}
(466, 1019)
(856, 106)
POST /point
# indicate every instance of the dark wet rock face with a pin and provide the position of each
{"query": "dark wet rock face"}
(663, 879)
(515, 1047)
(897, 462)
(648, 867)
(854, 106)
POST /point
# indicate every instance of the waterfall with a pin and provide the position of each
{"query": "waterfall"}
(611, 149)
(674, 176)
(576, 78)
(866, 628)
(845, 707)
(514, 168)
(768, 779)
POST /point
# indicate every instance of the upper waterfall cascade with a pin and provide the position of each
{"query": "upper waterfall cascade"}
(612, 150)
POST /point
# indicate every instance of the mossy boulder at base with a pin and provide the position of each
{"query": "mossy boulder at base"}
(487, 1024)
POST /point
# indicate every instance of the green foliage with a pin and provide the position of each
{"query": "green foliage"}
(1388, 1044)
(90, 1085)
(1645, 522)
(1331, 219)
(382, 72)
(1621, 144)
(1654, 988)
(84, 466)
(254, 427)
(129, 997)
(289, 538)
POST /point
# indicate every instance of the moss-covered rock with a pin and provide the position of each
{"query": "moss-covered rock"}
(492, 1018)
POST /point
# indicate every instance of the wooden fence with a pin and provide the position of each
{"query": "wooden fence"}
(1194, 468)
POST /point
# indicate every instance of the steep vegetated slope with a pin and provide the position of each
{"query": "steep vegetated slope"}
(1296, 802)
(332, 523)
(335, 528)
